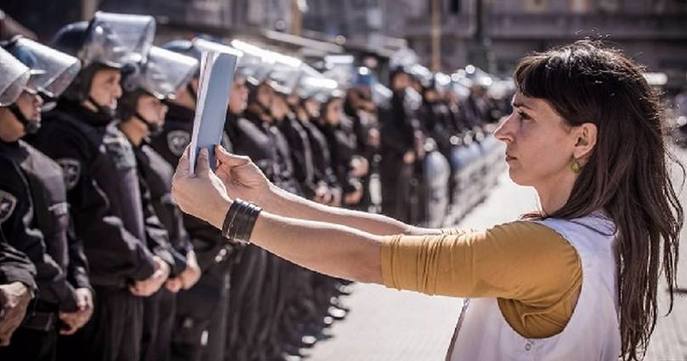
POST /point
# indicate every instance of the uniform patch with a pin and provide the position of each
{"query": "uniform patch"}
(177, 140)
(8, 203)
(71, 169)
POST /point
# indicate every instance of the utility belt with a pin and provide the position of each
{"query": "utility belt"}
(41, 316)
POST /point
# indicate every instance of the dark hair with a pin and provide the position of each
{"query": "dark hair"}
(627, 174)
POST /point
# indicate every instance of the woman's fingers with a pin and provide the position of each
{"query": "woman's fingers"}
(203, 163)
(182, 166)
(232, 160)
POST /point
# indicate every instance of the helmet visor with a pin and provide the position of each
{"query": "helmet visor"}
(14, 77)
(165, 71)
(116, 39)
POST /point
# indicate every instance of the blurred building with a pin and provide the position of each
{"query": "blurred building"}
(496, 33)
(492, 34)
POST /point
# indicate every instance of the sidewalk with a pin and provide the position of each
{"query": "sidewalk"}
(386, 324)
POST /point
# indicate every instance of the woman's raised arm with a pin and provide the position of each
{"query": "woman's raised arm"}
(243, 179)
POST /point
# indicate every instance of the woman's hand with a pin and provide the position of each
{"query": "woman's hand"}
(242, 178)
(203, 194)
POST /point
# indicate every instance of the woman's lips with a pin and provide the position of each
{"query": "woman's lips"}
(509, 158)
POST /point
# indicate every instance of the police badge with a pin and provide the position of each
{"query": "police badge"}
(7, 204)
(71, 169)
(177, 140)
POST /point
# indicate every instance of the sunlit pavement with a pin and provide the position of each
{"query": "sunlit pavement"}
(386, 324)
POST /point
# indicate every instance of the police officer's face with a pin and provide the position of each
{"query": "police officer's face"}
(30, 105)
(334, 111)
(312, 107)
(11, 129)
(152, 109)
(265, 95)
(105, 88)
(400, 81)
(238, 97)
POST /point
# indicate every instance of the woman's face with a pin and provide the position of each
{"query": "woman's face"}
(105, 88)
(151, 109)
(539, 144)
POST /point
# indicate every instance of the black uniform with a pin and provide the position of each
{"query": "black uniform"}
(322, 158)
(15, 266)
(399, 124)
(343, 147)
(364, 122)
(264, 284)
(40, 228)
(301, 153)
(104, 195)
(159, 309)
(200, 324)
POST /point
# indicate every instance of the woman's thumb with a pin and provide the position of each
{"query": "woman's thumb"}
(229, 159)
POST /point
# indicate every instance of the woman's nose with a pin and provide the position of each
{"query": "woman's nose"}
(504, 131)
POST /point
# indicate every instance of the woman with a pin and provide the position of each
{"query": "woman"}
(576, 280)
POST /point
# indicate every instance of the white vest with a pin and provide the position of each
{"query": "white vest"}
(593, 332)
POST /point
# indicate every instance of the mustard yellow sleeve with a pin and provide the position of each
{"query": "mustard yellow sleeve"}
(522, 260)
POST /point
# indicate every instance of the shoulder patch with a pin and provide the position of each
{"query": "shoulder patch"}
(71, 169)
(8, 203)
(177, 140)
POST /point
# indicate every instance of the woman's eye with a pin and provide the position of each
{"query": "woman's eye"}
(524, 116)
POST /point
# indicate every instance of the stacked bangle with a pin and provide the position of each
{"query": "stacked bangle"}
(240, 220)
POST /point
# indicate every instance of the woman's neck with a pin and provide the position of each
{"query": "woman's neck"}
(554, 194)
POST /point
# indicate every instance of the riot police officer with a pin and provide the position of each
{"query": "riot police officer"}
(65, 296)
(200, 326)
(17, 273)
(400, 148)
(141, 110)
(102, 183)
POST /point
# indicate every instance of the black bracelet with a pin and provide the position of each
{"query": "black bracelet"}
(240, 220)
(246, 222)
(229, 219)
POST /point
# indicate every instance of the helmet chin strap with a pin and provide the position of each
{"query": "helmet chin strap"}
(154, 129)
(29, 126)
(104, 110)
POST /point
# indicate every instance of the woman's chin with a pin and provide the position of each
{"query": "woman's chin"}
(517, 177)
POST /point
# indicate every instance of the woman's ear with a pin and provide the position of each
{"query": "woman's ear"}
(586, 140)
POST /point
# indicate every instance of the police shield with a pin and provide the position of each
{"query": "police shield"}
(436, 174)
(13, 78)
(51, 70)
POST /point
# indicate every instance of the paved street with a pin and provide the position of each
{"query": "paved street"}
(386, 324)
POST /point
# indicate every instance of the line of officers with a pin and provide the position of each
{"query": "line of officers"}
(96, 260)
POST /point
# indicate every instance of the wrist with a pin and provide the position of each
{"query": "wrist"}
(274, 199)
(219, 212)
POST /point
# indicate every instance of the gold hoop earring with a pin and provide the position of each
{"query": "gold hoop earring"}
(575, 166)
